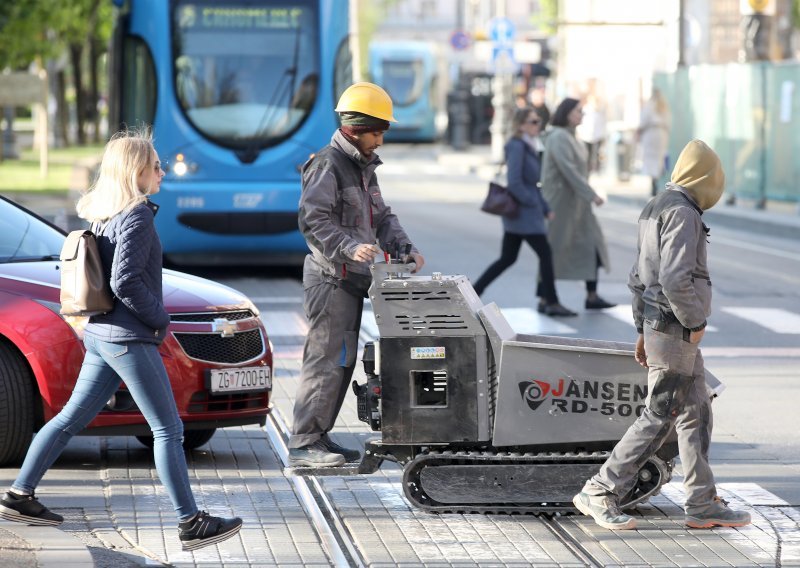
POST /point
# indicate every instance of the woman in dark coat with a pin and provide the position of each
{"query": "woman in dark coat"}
(579, 248)
(530, 225)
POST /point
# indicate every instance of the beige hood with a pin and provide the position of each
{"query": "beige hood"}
(699, 171)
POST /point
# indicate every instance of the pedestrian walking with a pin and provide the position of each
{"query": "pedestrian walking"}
(537, 100)
(530, 225)
(671, 290)
(592, 130)
(122, 345)
(653, 137)
(579, 248)
(343, 218)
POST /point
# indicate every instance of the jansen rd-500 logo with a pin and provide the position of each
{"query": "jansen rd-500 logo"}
(581, 396)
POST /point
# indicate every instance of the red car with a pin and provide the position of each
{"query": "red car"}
(217, 352)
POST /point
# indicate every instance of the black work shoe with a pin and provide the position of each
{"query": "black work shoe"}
(557, 310)
(349, 455)
(541, 307)
(315, 455)
(27, 509)
(204, 530)
(598, 304)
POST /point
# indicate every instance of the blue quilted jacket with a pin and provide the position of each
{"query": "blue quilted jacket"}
(131, 254)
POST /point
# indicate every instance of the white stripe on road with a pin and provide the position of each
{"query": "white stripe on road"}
(283, 323)
(522, 320)
(624, 313)
(277, 299)
(774, 319)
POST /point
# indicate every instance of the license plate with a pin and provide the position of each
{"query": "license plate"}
(245, 379)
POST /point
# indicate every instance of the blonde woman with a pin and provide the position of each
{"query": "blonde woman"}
(122, 345)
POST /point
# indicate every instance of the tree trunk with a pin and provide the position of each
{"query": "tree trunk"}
(62, 112)
(94, 87)
(75, 52)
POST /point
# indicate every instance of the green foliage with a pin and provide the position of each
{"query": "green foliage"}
(547, 17)
(796, 14)
(43, 28)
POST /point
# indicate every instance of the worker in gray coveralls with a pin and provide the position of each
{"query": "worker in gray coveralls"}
(671, 300)
(343, 218)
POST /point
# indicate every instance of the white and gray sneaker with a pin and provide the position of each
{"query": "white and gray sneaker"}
(604, 510)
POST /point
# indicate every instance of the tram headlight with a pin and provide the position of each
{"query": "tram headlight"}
(181, 167)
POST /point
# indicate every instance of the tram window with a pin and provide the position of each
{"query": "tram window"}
(246, 72)
(343, 70)
(138, 83)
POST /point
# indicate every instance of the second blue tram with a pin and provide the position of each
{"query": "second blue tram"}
(407, 71)
(239, 93)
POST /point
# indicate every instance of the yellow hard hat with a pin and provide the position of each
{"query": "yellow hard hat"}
(366, 98)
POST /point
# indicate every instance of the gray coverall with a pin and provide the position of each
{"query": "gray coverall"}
(672, 296)
(341, 207)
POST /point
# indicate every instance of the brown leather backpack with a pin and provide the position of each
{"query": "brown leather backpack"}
(85, 290)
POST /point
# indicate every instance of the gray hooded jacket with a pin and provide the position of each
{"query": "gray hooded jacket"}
(671, 270)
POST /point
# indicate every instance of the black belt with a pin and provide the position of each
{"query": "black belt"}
(661, 319)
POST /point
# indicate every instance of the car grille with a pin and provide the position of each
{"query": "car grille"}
(211, 316)
(206, 402)
(214, 348)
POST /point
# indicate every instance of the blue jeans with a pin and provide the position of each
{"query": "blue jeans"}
(104, 367)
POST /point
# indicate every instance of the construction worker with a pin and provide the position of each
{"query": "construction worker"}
(346, 223)
(671, 290)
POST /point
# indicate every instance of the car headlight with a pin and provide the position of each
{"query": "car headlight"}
(77, 323)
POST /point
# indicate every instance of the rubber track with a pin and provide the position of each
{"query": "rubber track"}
(414, 492)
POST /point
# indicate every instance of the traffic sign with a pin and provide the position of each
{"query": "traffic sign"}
(501, 30)
(460, 40)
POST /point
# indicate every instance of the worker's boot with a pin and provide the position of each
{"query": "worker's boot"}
(315, 455)
(718, 515)
(604, 510)
(349, 455)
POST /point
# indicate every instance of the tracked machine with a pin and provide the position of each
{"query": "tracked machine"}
(486, 420)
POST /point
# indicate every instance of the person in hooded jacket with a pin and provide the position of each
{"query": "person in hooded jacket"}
(122, 345)
(343, 218)
(579, 248)
(671, 289)
(530, 224)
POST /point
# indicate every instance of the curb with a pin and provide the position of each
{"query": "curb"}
(53, 548)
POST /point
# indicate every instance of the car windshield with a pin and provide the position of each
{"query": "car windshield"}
(246, 72)
(403, 80)
(24, 238)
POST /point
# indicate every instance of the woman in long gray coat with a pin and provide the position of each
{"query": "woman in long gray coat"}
(530, 225)
(579, 248)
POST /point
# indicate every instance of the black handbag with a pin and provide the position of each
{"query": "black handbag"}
(499, 201)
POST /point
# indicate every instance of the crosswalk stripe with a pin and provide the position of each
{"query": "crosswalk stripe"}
(284, 323)
(624, 313)
(774, 319)
(530, 322)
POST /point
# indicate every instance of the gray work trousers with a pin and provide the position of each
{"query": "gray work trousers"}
(677, 396)
(329, 355)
